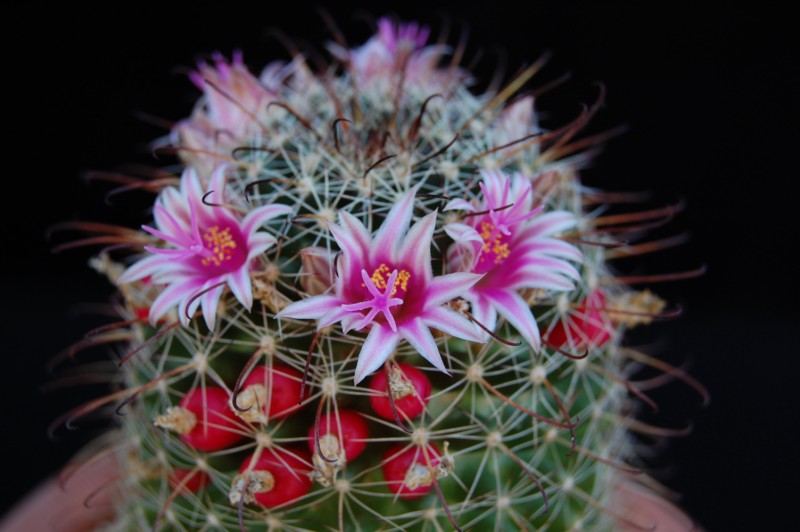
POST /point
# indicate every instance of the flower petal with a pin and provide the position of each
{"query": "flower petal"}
(356, 229)
(242, 289)
(419, 336)
(462, 233)
(142, 268)
(548, 224)
(386, 242)
(557, 248)
(173, 295)
(258, 243)
(513, 308)
(334, 315)
(453, 323)
(209, 302)
(355, 253)
(259, 216)
(483, 311)
(310, 308)
(535, 277)
(378, 347)
(443, 288)
(416, 249)
(459, 204)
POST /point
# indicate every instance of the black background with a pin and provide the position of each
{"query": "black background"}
(710, 98)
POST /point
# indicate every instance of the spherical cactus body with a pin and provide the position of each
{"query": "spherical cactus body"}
(374, 299)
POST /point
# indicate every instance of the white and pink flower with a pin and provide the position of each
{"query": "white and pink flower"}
(398, 48)
(233, 103)
(511, 243)
(385, 282)
(209, 247)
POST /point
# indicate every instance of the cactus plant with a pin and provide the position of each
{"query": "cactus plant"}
(373, 299)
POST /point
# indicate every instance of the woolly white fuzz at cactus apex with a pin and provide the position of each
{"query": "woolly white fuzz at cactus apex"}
(441, 227)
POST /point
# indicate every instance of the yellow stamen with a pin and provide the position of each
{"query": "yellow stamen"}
(492, 243)
(382, 274)
(220, 244)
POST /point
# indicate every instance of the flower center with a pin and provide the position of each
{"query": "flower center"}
(495, 248)
(381, 276)
(380, 292)
(219, 246)
(220, 249)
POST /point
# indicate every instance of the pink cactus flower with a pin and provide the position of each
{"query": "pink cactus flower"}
(385, 282)
(511, 243)
(397, 48)
(518, 120)
(234, 101)
(208, 248)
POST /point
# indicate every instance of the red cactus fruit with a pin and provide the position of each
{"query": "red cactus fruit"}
(204, 420)
(278, 477)
(276, 389)
(350, 429)
(410, 390)
(406, 470)
(198, 481)
(587, 324)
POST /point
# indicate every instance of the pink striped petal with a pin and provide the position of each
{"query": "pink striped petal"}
(356, 229)
(338, 314)
(515, 310)
(350, 245)
(557, 248)
(310, 308)
(173, 295)
(462, 233)
(242, 289)
(350, 321)
(548, 224)
(419, 336)
(258, 217)
(258, 243)
(552, 265)
(459, 204)
(534, 277)
(209, 302)
(416, 250)
(378, 346)
(483, 311)
(142, 268)
(386, 242)
(453, 323)
(443, 288)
